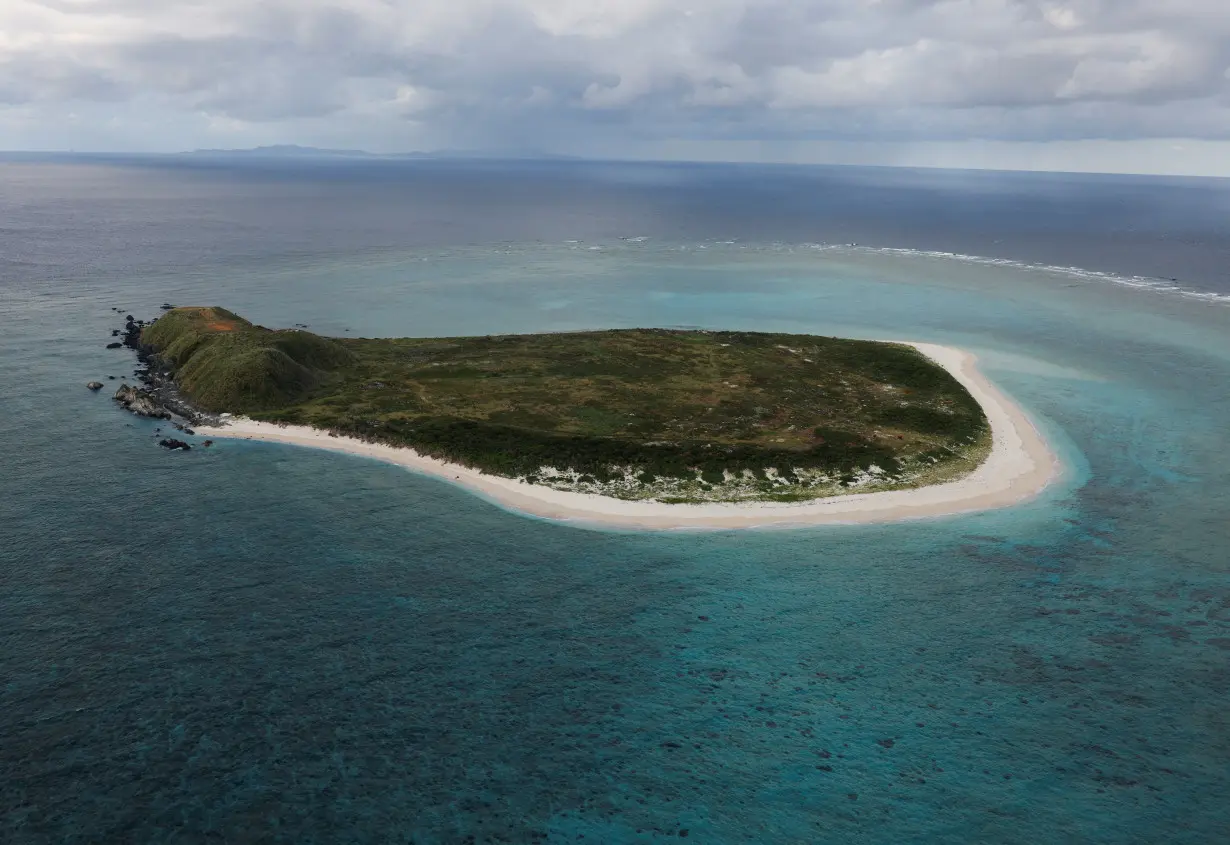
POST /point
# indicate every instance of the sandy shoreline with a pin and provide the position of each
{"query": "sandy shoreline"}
(1019, 467)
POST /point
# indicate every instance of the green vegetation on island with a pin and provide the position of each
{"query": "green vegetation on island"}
(636, 413)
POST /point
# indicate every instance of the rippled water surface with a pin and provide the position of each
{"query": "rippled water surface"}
(258, 643)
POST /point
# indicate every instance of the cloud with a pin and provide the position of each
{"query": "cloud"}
(538, 72)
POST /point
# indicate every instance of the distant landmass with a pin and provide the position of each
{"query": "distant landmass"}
(295, 151)
(285, 151)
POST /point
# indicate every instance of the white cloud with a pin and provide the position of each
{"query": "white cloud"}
(1061, 17)
(479, 72)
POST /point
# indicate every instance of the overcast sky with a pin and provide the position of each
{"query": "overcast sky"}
(1135, 85)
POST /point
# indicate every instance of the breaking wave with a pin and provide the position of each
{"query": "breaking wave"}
(1151, 283)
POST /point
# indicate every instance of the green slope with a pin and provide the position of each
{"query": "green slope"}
(635, 413)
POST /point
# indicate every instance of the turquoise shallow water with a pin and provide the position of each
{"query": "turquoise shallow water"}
(255, 642)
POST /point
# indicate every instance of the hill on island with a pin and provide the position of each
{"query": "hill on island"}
(637, 413)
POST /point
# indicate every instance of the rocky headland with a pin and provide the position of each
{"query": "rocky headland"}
(156, 396)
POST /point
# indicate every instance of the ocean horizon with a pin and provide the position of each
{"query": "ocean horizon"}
(258, 642)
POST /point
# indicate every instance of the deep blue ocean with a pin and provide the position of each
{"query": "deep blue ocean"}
(255, 643)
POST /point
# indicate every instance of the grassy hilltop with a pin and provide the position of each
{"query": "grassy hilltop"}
(676, 415)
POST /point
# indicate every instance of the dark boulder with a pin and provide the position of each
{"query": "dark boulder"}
(172, 443)
(141, 402)
(115, 346)
(95, 385)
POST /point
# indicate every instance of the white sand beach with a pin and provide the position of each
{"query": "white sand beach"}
(1018, 468)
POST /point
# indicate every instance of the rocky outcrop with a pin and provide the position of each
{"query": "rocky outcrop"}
(156, 394)
(141, 402)
(171, 443)
(95, 385)
(132, 334)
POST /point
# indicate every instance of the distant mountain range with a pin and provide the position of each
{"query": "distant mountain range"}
(285, 151)
(296, 151)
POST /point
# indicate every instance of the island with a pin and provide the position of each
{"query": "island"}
(653, 428)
